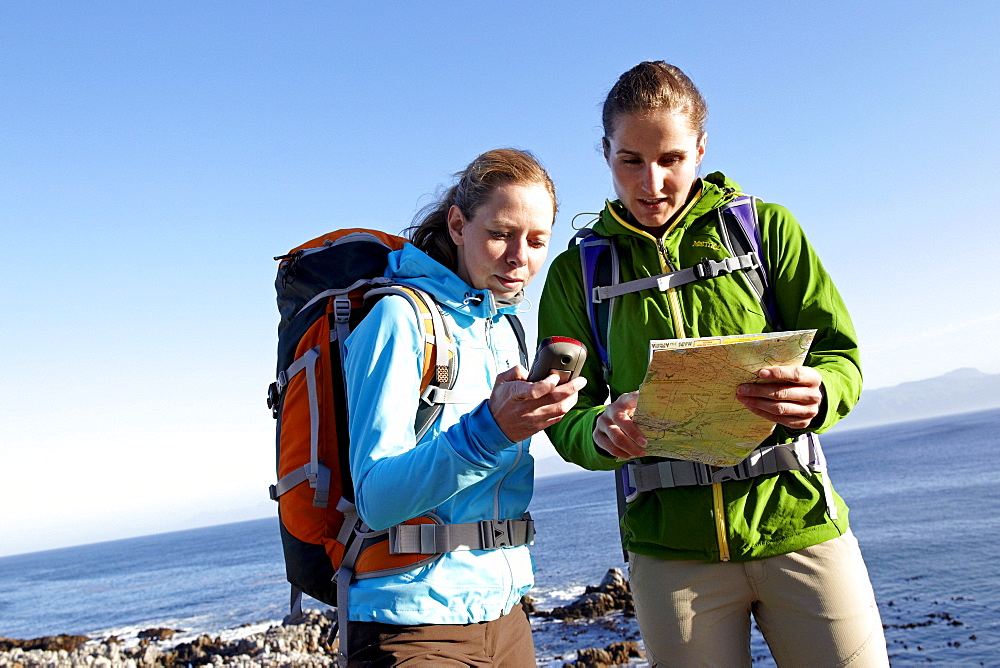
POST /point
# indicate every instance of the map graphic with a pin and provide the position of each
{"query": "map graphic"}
(687, 403)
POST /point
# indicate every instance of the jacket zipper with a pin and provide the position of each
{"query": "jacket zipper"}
(520, 452)
(718, 502)
(520, 446)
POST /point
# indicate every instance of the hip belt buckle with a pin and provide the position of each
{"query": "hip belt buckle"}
(706, 474)
(495, 533)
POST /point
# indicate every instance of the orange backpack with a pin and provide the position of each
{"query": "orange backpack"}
(324, 288)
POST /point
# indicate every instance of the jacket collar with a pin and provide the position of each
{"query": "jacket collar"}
(412, 266)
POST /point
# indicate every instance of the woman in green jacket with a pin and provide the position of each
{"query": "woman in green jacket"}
(773, 543)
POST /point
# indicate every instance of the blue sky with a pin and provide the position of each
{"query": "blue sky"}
(155, 156)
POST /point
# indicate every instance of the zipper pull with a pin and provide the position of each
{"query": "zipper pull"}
(662, 248)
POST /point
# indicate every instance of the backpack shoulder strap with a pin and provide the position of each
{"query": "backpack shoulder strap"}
(440, 368)
(599, 265)
(739, 227)
(522, 346)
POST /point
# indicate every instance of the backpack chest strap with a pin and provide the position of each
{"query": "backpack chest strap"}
(705, 269)
(439, 395)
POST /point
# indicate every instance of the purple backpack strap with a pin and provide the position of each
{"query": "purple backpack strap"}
(595, 261)
(743, 211)
(599, 263)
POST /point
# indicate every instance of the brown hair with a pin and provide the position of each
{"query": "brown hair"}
(499, 167)
(652, 85)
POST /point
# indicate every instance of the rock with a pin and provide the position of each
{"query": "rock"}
(304, 644)
(621, 652)
(197, 652)
(594, 604)
(158, 634)
(614, 578)
(149, 655)
(63, 642)
(250, 646)
(612, 594)
(615, 654)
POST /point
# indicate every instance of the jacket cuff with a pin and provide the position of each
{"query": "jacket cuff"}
(484, 431)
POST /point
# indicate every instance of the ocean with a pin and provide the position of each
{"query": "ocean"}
(925, 506)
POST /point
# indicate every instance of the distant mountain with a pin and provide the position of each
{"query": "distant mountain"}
(959, 391)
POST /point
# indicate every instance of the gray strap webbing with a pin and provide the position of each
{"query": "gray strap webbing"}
(316, 473)
(802, 454)
(350, 512)
(315, 470)
(345, 576)
(438, 395)
(343, 291)
(317, 476)
(343, 581)
(817, 462)
(439, 538)
(285, 377)
(341, 322)
(296, 477)
(295, 603)
(704, 269)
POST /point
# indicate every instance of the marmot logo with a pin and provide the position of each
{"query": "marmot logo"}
(706, 244)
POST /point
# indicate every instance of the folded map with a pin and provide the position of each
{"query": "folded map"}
(687, 403)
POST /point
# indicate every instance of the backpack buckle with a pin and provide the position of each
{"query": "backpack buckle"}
(495, 533)
(273, 399)
(712, 269)
(702, 473)
(427, 396)
(342, 309)
(739, 471)
(707, 474)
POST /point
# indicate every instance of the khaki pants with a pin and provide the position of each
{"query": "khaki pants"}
(815, 607)
(503, 642)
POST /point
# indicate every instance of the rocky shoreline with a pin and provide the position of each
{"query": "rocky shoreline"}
(596, 629)
(564, 636)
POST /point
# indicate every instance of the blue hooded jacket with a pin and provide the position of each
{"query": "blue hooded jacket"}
(464, 468)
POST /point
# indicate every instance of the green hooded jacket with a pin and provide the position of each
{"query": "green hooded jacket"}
(736, 520)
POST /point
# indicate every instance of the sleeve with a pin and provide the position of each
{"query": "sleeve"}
(808, 299)
(562, 311)
(396, 478)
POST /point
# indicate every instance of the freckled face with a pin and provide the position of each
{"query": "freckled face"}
(654, 162)
(505, 242)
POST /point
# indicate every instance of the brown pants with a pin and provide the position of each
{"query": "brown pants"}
(502, 642)
(815, 607)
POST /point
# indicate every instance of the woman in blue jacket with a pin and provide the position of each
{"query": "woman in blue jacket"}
(473, 251)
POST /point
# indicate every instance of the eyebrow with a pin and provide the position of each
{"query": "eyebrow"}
(505, 224)
(672, 151)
